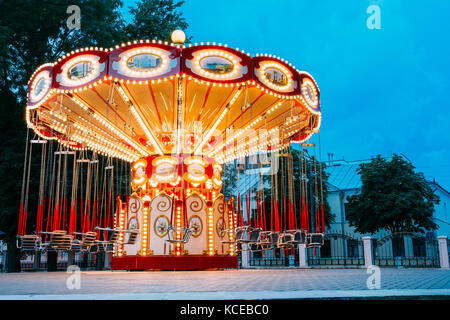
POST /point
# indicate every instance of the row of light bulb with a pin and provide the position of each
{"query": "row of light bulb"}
(123, 147)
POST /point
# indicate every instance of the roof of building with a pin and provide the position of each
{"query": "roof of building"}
(343, 176)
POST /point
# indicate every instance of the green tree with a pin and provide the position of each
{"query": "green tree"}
(393, 197)
(155, 18)
(33, 32)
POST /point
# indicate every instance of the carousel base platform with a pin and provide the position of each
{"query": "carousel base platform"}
(188, 262)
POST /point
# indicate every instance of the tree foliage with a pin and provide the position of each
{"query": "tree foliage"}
(155, 17)
(393, 197)
(34, 32)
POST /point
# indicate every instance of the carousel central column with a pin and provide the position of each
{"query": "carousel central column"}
(179, 150)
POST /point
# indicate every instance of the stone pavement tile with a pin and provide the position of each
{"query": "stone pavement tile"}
(283, 280)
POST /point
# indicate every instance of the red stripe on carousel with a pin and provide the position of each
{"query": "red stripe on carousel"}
(277, 217)
(64, 214)
(71, 216)
(19, 229)
(258, 213)
(291, 215)
(264, 214)
(271, 215)
(56, 217)
(24, 224)
(39, 210)
(323, 218)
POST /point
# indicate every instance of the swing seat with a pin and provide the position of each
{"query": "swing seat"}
(285, 240)
(253, 236)
(265, 239)
(171, 230)
(253, 239)
(239, 233)
(59, 240)
(87, 241)
(268, 239)
(133, 235)
(314, 240)
(107, 246)
(28, 243)
(299, 236)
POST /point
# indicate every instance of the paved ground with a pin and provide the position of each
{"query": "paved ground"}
(228, 284)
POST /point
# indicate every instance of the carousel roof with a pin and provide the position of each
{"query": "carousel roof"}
(128, 101)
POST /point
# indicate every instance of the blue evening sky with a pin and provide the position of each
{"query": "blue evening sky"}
(382, 91)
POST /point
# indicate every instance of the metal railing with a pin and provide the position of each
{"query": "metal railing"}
(406, 249)
(338, 250)
(274, 257)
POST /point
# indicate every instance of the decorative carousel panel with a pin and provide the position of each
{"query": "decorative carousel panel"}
(276, 75)
(164, 169)
(217, 176)
(144, 61)
(220, 210)
(310, 93)
(40, 85)
(160, 212)
(139, 173)
(196, 215)
(196, 169)
(80, 69)
(134, 221)
(216, 63)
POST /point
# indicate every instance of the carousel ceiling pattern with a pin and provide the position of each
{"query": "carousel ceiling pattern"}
(151, 98)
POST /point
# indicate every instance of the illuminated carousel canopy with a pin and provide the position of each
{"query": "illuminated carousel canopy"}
(148, 98)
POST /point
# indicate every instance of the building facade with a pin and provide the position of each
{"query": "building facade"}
(342, 239)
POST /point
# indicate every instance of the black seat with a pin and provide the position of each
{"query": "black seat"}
(285, 240)
(299, 236)
(314, 240)
(87, 241)
(171, 230)
(239, 234)
(28, 243)
(133, 235)
(254, 236)
(253, 239)
(59, 240)
(107, 245)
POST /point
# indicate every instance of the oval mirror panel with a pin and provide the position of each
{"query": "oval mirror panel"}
(144, 62)
(165, 169)
(79, 70)
(216, 64)
(310, 93)
(39, 86)
(196, 170)
(276, 76)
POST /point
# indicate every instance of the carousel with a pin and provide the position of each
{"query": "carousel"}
(133, 141)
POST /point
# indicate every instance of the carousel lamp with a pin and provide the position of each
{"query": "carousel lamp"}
(178, 37)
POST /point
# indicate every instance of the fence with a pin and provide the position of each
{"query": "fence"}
(84, 260)
(338, 250)
(273, 257)
(405, 249)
